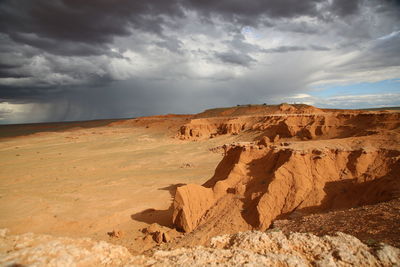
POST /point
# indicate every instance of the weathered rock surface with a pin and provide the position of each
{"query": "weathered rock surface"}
(295, 125)
(241, 249)
(45, 250)
(258, 184)
(157, 233)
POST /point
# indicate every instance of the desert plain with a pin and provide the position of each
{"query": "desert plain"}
(90, 181)
(172, 181)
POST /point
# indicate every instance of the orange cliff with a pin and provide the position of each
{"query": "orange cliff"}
(324, 161)
(301, 126)
(271, 181)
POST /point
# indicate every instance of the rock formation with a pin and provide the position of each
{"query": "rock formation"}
(325, 125)
(270, 181)
(45, 250)
(323, 162)
(255, 248)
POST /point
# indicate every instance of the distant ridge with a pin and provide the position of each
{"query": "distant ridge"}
(383, 108)
(243, 110)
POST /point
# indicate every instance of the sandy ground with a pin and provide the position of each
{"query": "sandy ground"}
(87, 182)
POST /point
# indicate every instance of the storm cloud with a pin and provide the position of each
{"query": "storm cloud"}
(73, 60)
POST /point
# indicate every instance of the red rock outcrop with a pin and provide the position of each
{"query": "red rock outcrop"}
(323, 125)
(259, 183)
(246, 110)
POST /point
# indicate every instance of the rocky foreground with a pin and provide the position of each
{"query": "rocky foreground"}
(250, 248)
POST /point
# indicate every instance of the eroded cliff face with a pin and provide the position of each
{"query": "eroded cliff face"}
(329, 179)
(323, 125)
(247, 110)
(255, 183)
(303, 159)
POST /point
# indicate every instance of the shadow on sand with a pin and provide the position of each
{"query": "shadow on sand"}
(162, 217)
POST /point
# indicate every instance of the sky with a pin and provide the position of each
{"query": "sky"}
(65, 60)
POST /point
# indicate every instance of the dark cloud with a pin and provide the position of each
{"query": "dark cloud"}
(284, 49)
(10, 71)
(73, 27)
(382, 53)
(345, 7)
(74, 59)
(37, 93)
(69, 26)
(138, 97)
(60, 47)
(249, 12)
(170, 43)
(239, 43)
(261, 12)
(7, 73)
(235, 58)
(319, 48)
(302, 27)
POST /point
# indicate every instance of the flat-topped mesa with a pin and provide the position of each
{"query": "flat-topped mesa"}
(254, 184)
(304, 126)
(250, 110)
(233, 120)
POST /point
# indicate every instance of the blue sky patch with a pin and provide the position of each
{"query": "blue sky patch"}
(381, 87)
